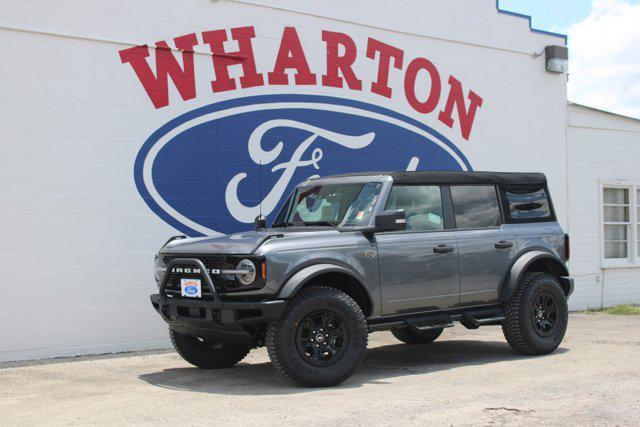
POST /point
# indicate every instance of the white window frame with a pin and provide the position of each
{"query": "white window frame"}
(633, 257)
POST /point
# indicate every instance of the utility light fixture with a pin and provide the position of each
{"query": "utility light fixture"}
(557, 59)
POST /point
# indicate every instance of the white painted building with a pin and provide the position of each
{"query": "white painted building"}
(113, 141)
(604, 206)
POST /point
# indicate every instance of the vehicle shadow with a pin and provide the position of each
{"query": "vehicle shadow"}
(379, 365)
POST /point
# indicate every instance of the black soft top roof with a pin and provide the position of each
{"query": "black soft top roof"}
(455, 177)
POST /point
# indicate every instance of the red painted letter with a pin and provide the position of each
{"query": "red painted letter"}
(381, 86)
(222, 59)
(456, 97)
(410, 85)
(342, 63)
(291, 55)
(157, 86)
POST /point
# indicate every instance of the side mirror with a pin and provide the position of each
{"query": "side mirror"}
(260, 222)
(394, 220)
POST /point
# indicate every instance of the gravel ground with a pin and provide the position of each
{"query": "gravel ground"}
(466, 377)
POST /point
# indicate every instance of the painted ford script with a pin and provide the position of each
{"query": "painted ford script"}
(213, 169)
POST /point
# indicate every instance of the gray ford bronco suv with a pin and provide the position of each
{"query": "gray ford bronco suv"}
(409, 252)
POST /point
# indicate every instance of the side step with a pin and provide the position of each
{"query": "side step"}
(419, 322)
(416, 326)
(470, 322)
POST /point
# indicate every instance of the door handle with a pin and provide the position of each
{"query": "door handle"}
(443, 249)
(502, 244)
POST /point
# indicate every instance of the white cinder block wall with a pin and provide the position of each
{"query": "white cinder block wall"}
(603, 148)
(78, 239)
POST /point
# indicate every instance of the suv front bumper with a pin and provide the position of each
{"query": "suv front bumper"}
(216, 319)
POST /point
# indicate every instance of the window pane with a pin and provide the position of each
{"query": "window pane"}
(615, 250)
(616, 214)
(528, 203)
(615, 232)
(331, 202)
(475, 206)
(616, 196)
(422, 205)
(361, 209)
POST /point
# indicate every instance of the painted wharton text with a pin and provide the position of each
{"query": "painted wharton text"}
(423, 85)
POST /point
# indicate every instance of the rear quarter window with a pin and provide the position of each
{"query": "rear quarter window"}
(528, 204)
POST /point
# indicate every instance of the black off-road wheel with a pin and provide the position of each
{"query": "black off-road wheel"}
(207, 355)
(409, 336)
(537, 315)
(320, 338)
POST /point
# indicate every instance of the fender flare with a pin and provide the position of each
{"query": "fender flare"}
(521, 264)
(304, 275)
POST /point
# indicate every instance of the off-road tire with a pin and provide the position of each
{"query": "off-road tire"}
(207, 356)
(409, 336)
(518, 327)
(282, 337)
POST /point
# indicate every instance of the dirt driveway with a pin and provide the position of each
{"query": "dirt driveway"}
(466, 377)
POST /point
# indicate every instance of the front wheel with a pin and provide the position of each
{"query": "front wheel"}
(537, 315)
(205, 354)
(319, 339)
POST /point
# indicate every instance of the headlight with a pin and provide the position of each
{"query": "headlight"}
(159, 269)
(250, 268)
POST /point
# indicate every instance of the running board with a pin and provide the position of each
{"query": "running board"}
(470, 322)
(423, 328)
(470, 319)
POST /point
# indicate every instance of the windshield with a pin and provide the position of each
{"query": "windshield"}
(347, 205)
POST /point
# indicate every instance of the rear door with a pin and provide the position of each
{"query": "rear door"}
(486, 244)
(419, 266)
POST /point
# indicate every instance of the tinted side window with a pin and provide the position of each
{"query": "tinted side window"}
(421, 203)
(527, 203)
(475, 206)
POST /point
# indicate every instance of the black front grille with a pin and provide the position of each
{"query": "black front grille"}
(222, 283)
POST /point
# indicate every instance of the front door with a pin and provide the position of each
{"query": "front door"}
(419, 266)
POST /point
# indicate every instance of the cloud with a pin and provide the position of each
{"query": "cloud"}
(604, 55)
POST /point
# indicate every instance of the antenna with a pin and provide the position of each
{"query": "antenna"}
(260, 222)
(260, 189)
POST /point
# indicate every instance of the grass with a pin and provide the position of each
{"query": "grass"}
(623, 309)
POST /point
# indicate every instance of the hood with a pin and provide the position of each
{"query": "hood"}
(238, 243)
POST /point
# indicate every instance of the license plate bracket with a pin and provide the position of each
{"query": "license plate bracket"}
(191, 288)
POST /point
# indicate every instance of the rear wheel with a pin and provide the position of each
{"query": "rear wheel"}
(409, 336)
(537, 315)
(320, 338)
(205, 354)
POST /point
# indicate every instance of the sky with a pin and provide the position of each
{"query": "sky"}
(604, 52)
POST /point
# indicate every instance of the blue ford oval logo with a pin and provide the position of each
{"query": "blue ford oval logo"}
(190, 290)
(211, 170)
